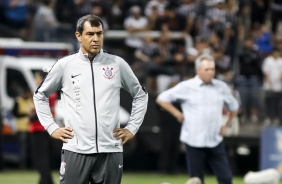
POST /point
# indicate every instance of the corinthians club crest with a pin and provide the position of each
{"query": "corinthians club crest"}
(108, 72)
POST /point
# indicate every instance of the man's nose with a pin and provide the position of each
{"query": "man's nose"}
(95, 37)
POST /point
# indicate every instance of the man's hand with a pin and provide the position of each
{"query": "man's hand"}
(123, 134)
(224, 130)
(179, 117)
(63, 134)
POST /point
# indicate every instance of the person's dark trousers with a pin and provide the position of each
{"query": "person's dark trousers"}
(170, 150)
(170, 144)
(272, 103)
(24, 152)
(1, 142)
(216, 158)
(276, 16)
(41, 151)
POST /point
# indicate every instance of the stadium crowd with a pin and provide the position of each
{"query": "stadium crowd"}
(240, 35)
(243, 36)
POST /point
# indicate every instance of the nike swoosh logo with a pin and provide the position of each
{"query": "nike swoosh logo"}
(73, 76)
(120, 166)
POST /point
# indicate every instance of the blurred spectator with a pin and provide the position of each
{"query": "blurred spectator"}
(222, 63)
(22, 108)
(156, 62)
(191, 55)
(218, 19)
(2, 15)
(148, 57)
(134, 23)
(17, 16)
(45, 15)
(189, 9)
(82, 7)
(216, 41)
(158, 5)
(16, 13)
(276, 14)
(248, 80)
(278, 42)
(152, 18)
(127, 4)
(105, 7)
(222, 21)
(259, 11)
(244, 19)
(230, 35)
(202, 46)
(232, 6)
(272, 85)
(167, 73)
(99, 11)
(263, 39)
(41, 141)
(65, 13)
(116, 18)
(172, 21)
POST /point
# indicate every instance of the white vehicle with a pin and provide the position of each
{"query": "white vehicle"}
(19, 61)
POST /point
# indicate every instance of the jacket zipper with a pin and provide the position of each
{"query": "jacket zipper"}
(94, 101)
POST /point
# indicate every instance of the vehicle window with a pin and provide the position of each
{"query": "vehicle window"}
(15, 82)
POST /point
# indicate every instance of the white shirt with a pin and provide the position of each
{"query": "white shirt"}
(133, 40)
(202, 106)
(273, 69)
(45, 16)
(160, 5)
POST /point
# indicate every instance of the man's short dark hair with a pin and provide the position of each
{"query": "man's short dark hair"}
(94, 20)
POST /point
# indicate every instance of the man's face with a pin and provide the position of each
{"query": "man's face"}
(91, 39)
(206, 71)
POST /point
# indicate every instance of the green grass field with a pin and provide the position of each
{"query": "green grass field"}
(31, 177)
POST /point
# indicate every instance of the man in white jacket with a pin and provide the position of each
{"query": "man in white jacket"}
(89, 82)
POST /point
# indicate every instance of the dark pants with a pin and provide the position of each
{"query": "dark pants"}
(41, 155)
(276, 16)
(215, 157)
(170, 151)
(170, 144)
(272, 103)
(23, 138)
(1, 142)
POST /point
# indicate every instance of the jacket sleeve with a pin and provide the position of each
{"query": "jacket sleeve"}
(49, 85)
(140, 97)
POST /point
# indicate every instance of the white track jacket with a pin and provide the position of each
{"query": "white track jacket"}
(90, 94)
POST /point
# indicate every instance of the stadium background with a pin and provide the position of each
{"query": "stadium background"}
(240, 19)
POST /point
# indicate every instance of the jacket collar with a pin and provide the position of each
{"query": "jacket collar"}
(85, 56)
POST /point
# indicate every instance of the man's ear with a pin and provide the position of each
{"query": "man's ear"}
(78, 36)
